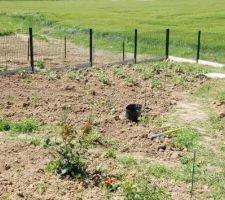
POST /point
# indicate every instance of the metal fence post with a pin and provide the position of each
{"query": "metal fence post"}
(28, 48)
(31, 49)
(199, 45)
(123, 51)
(135, 46)
(91, 47)
(65, 53)
(167, 43)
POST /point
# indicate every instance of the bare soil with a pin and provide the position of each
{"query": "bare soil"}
(34, 96)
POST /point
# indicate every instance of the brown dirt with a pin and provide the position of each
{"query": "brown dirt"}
(34, 96)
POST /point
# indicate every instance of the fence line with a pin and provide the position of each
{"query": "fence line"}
(23, 50)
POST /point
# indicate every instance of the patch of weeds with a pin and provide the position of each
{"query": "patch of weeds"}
(5, 125)
(138, 68)
(221, 96)
(73, 75)
(144, 120)
(40, 64)
(25, 126)
(35, 141)
(146, 75)
(156, 83)
(179, 80)
(67, 155)
(156, 69)
(5, 197)
(111, 153)
(132, 81)
(108, 186)
(216, 122)
(101, 170)
(141, 189)
(204, 90)
(52, 76)
(3, 68)
(185, 138)
(127, 160)
(40, 188)
(119, 73)
(101, 76)
(72, 68)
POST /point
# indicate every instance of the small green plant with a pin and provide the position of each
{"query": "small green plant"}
(119, 73)
(67, 155)
(25, 126)
(138, 68)
(180, 80)
(144, 120)
(221, 96)
(52, 76)
(216, 122)
(111, 153)
(128, 161)
(156, 83)
(156, 69)
(40, 64)
(5, 125)
(73, 75)
(35, 141)
(141, 189)
(132, 81)
(146, 75)
(40, 188)
(101, 76)
(185, 138)
(5, 197)
(3, 68)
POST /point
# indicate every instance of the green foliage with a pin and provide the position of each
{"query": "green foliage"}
(138, 68)
(5, 197)
(5, 125)
(40, 188)
(67, 155)
(119, 73)
(73, 75)
(131, 81)
(144, 120)
(101, 76)
(204, 90)
(22, 126)
(111, 153)
(35, 141)
(216, 122)
(25, 126)
(221, 96)
(146, 75)
(141, 189)
(127, 160)
(185, 138)
(52, 76)
(156, 83)
(40, 64)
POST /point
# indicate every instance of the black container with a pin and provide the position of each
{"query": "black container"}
(133, 111)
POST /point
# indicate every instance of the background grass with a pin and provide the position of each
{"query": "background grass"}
(114, 21)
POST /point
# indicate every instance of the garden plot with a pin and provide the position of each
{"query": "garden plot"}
(87, 107)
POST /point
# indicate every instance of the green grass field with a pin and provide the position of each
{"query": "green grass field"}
(115, 20)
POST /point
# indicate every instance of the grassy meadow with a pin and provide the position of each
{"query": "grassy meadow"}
(115, 20)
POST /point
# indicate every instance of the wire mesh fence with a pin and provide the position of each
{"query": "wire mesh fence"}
(72, 48)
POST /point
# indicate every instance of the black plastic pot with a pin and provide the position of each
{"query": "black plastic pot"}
(133, 111)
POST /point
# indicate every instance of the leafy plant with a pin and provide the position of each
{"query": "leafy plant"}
(146, 75)
(141, 189)
(25, 126)
(185, 138)
(67, 155)
(52, 76)
(40, 64)
(73, 75)
(156, 83)
(102, 77)
(119, 73)
(132, 81)
(35, 141)
(144, 120)
(5, 125)
(111, 153)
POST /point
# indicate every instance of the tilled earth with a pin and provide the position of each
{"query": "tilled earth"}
(49, 102)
